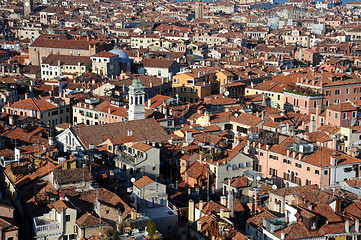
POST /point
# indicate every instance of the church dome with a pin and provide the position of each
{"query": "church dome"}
(123, 56)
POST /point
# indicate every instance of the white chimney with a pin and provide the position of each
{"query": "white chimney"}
(51, 141)
(224, 200)
(221, 213)
(199, 226)
(357, 225)
(347, 226)
(282, 236)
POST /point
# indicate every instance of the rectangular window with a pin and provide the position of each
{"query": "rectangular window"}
(273, 157)
(67, 218)
(337, 92)
(273, 172)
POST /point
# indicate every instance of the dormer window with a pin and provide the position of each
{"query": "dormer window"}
(313, 226)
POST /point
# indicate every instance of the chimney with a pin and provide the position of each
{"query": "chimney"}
(201, 205)
(357, 225)
(149, 102)
(26, 95)
(230, 202)
(347, 226)
(221, 213)
(51, 142)
(282, 236)
(223, 200)
(133, 215)
(332, 161)
(199, 226)
(11, 120)
(191, 211)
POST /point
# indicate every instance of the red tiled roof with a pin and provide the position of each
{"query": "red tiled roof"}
(60, 43)
(105, 54)
(88, 220)
(143, 130)
(144, 181)
(33, 104)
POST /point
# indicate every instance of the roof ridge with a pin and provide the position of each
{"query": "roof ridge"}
(36, 105)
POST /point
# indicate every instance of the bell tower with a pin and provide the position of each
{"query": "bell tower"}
(136, 101)
(28, 7)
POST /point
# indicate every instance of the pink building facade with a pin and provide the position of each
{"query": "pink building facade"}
(298, 167)
(304, 104)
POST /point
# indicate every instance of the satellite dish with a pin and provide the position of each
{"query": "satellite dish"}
(258, 178)
(132, 180)
(274, 187)
(226, 94)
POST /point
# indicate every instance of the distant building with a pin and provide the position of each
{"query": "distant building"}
(199, 10)
(64, 66)
(106, 64)
(28, 7)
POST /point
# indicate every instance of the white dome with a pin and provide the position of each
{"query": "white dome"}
(123, 56)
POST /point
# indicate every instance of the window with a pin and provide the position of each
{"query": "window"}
(348, 169)
(325, 172)
(317, 172)
(347, 90)
(308, 169)
(329, 113)
(286, 161)
(110, 147)
(336, 115)
(308, 182)
(273, 172)
(337, 92)
(299, 165)
(67, 218)
(273, 157)
(354, 114)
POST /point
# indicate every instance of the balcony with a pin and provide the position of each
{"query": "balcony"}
(274, 224)
(44, 227)
(126, 157)
(263, 136)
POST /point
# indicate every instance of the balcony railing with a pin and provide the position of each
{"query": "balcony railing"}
(127, 157)
(46, 227)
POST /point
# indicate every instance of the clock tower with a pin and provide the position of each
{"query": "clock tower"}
(28, 7)
(136, 109)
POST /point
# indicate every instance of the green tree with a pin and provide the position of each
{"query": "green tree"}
(115, 236)
(151, 228)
